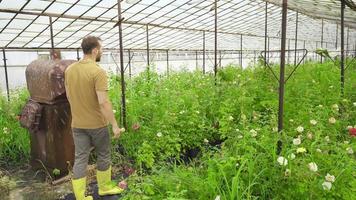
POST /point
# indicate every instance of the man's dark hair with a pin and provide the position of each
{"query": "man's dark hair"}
(89, 43)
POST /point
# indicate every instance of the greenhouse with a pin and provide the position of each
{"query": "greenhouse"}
(196, 99)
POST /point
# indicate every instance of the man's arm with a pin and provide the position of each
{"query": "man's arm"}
(106, 110)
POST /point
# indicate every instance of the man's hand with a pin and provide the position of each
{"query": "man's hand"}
(117, 131)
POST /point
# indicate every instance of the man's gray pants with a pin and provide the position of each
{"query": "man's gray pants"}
(84, 139)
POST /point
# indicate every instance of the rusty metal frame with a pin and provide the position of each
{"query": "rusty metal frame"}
(122, 70)
(6, 75)
(281, 75)
(342, 64)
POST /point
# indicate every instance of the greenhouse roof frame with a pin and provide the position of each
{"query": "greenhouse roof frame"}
(172, 24)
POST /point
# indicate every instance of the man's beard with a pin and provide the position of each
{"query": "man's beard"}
(98, 58)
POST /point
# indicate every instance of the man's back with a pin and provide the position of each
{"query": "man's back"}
(82, 80)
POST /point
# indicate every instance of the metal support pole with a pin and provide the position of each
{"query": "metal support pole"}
(196, 60)
(266, 29)
(241, 51)
(347, 42)
(304, 48)
(322, 38)
(316, 55)
(296, 40)
(130, 71)
(78, 58)
(167, 54)
(203, 52)
(342, 47)
(282, 69)
(268, 45)
(148, 49)
(254, 58)
(288, 51)
(6, 75)
(122, 67)
(51, 32)
(220, 58)
(337, 35)
(216, 39)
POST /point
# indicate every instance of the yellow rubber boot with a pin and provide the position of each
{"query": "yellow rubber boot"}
(79, 186)
(106, 186)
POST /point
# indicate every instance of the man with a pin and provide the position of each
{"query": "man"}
(87, 92)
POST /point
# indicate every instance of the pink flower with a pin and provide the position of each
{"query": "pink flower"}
(123, 185)
(352, 132)
(136, 126)
(127, 171)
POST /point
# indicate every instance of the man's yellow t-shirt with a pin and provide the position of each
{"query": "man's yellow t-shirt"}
(82, 80)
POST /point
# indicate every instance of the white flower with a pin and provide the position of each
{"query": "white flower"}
(197, 112)
(182, 112)
(300, 129)
(282, 161)
(313, 81)
(313, 167)
(231, 118)
(354, 104)
(331, 86)
(243, 117)
(5, 130)
(346, 142)
(237, 130)
(349, 150)
(238, 75)
(114, 111)
(301, 150)
(237, 165)
(217, 197)
(291, 156)
(313, 122)
(159, 134)
(287, 172)
(320, 106)
(318, 150)
(253, 133)
(345, 100)
(332, 120)
(349, 127)
(297, 141)
(275, 129)
(330, 178)
(327, 185)
(335, 107)
(310, 135)
(327, 138)
(206, 141)
(291, 120)
(240, 137)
